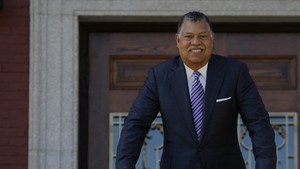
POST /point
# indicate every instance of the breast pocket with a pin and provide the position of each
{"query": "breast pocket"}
(223, 99)
(225, 110)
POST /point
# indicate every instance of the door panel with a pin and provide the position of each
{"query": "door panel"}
(119, 63)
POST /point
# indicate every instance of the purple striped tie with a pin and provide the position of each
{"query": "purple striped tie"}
(197, 100)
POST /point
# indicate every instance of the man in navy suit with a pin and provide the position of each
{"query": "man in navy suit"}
(229, 91)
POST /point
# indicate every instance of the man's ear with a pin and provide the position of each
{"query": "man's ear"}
(177, 38)
(212, 35)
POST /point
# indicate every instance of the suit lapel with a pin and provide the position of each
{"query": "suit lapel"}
(177, 77)
(215, 77)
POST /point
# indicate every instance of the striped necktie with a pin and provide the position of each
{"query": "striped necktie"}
(197, 101)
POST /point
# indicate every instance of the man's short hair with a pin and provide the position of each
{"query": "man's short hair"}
(193, 16)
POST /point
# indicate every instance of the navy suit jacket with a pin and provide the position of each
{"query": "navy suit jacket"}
(166, 91)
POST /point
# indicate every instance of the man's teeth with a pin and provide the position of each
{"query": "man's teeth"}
(197, 50)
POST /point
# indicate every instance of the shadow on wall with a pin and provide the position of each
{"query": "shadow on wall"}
(1, 4)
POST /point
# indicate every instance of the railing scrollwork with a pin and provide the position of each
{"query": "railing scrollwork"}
(284, 125)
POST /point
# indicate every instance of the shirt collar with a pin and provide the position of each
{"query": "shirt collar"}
(189, 71)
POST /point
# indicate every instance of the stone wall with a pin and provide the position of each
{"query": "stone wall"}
(54, 51)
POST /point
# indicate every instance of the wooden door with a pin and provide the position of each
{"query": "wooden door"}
(272, 60)
(118, 66)
(118, 63)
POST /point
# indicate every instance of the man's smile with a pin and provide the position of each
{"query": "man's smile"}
(199, 49)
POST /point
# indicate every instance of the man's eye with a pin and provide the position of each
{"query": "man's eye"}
(204, 37)
(188, 37)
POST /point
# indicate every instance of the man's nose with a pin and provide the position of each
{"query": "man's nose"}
(196, 40)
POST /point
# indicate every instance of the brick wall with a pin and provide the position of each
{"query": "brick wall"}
(14, 65)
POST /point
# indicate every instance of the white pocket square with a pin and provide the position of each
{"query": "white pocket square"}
(223, 99)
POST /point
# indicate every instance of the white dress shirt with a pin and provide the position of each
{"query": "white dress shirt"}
(190, 76)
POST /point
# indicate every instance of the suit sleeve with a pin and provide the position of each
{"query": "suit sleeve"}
(137, 124)
(256, 118)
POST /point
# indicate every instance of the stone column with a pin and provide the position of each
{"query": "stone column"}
(53, 107)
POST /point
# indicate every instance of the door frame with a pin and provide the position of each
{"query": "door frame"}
(85, 28)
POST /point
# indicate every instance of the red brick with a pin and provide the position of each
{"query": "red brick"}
(3, 123)
(15, 4)
(13, 160)
(14, 80)
(9, 30)
(14, 68)
(13, 58)
(13, 95)
(18, 141)
(8, 151)
(17, 122)
(14, 167)
(5, 12)
(13, 39)
(11, 132)
(4, 141)
(14, 77)
(13, 86)
(19, 12)
(16, 104)
(14, 49)
(12, 113)
(16, 21)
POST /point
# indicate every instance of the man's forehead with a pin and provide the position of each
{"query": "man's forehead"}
(188, 26)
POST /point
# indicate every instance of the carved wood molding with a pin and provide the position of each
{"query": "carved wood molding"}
(129, 72)
(271, 72)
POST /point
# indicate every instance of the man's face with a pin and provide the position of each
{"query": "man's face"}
(195, 43)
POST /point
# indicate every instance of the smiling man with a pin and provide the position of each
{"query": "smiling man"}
(199, 95)
(195, 42)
